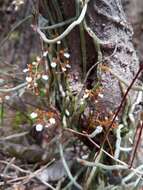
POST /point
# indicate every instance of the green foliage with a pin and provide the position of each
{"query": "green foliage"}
(1, 113)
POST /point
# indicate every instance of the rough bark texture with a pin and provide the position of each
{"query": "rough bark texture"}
(108, 21)
(134, 10)
(114, 30)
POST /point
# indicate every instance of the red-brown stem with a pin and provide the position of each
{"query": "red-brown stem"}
(137, 144)
(120, 106)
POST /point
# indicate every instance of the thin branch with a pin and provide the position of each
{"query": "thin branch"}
(8, 166)
(14, 136)
(118, 142)
(137, 143)
(132, 174)
(58, 25)
(67, 168)
(16, 88)
(15, 167)
(68, 30)
(103, 166)
(126, 149)
(14, 28)
(97, 131)
(98, 146)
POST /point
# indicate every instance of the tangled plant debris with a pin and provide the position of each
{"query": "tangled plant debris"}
(76, 109)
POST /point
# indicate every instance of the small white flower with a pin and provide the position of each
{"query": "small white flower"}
(100, 95)
(16, 8)
(59, 42)
(38, 58)
(62, 91)
(130, 140)
(99, 129)
(25, 70)
(18, 2)
(82, 101)
(64, 121)
(7, 97)
(29, 79)
(86, 95)
(21, 1)
(34, 63)
(39, 127)
(67, 112)
(68, 66)
(53, 64)
(45, 53)
(67, 55)
(47, 126)
(117, 118)
(38, 76)
(35, 84)
(52, 120)
(64, 69)
(33, 115)
(45, 77)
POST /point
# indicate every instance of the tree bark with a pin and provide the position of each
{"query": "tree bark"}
(108, 21)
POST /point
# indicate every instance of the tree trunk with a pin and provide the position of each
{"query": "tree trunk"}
(104, 37)
(107, 20)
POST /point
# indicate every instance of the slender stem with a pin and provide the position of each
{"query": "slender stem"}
(118, 141)
(68, 30)
(14, 28)
(100, 165)
(58, 25)
(16, 88)
(137, 144)
(67, 168)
